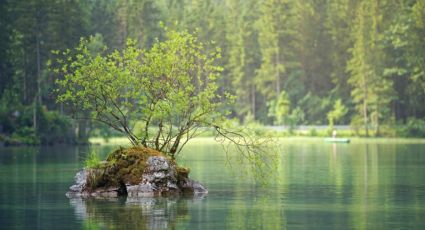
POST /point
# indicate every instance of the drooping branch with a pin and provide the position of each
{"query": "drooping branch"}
(169, 91)
(258, 153)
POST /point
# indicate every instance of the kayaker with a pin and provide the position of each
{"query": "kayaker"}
(334, 133)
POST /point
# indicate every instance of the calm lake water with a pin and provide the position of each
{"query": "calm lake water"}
(362, 185)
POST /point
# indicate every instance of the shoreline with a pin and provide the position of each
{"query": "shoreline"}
(202, 140)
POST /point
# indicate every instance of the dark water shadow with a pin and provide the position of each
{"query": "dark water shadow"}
(133, 213)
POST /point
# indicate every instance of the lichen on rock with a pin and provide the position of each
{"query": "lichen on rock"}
(135, 172)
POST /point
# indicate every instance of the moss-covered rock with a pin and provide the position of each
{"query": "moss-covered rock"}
(135, 172)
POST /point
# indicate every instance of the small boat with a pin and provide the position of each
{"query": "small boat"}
(338, 140)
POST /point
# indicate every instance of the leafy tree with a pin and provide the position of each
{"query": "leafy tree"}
(370, 54)
(281, 108)
(338, 112)
(170, 90)
(296, 117)
(313, 106)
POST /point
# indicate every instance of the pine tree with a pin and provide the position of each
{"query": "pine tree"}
(242, 53)
(5, 43)
(339, 18)
(138, 19)
(278, 42)
(371, 90)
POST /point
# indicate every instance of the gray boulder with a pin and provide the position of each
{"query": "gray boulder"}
(158, 178)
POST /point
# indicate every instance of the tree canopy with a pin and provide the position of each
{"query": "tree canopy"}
(367, 53)
(169, 92)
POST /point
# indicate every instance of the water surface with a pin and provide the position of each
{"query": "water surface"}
(362, 185)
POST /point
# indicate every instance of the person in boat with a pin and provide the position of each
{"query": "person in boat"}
(334, 133)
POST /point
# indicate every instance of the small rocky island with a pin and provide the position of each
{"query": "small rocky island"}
(134, 172)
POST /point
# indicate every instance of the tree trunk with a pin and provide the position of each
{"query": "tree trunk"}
(131, 136)
(365, 117)
(34, 115)
(38, 94)
(377, 131)
(277, 74)
(37, 97)
(25, 78)
(253, 101)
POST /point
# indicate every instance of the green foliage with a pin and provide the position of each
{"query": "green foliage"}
(273, 29)
(313, 106)
(17, 123)
(170, 90)
(25, 135)
(338, 112)
(372, 91)
(356, 124)
(242, 55)
(413, 128)
(54, 128)
(296, 118)
(282, 108)
(93, 160)
(313, 132)
(367, 53)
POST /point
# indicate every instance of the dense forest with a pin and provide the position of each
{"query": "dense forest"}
(288, 62)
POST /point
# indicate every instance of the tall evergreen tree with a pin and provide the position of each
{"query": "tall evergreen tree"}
(371, 90)
(339, 18)
(138, 19)
(314, 46)
(277, 42)
(5, 42)
(242, 52)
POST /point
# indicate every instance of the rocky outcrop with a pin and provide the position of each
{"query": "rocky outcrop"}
(134, 174)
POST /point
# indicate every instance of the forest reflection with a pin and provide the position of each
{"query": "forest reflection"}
(361, 185)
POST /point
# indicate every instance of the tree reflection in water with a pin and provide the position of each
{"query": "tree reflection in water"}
(132, 213)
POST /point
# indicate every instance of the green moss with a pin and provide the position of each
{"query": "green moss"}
(125, 165)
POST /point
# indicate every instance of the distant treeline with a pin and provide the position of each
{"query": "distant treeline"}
(291, 62)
